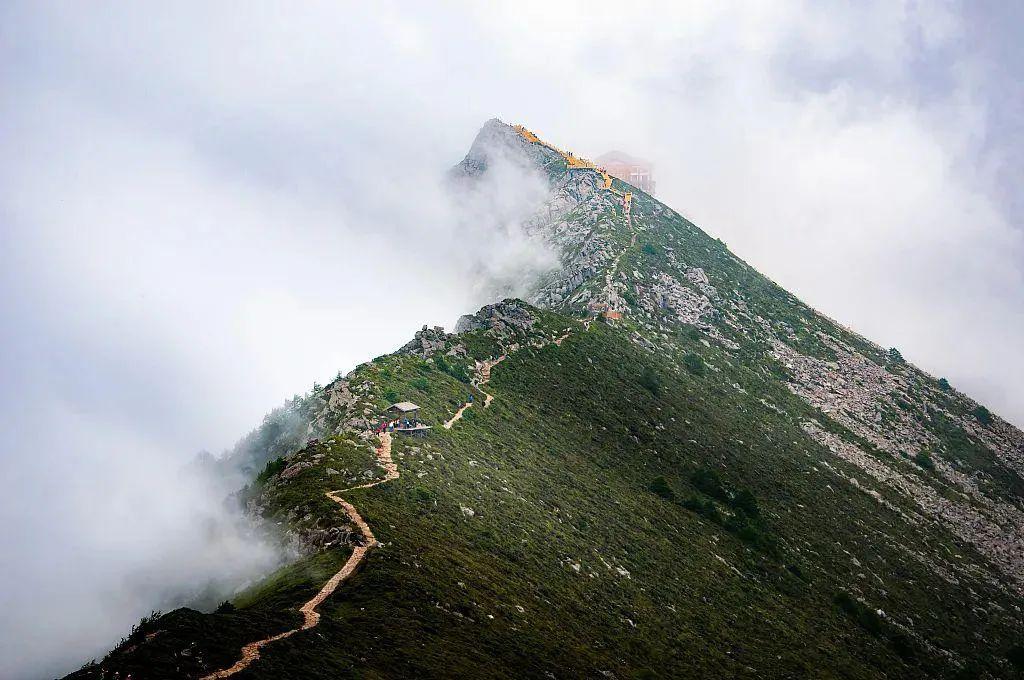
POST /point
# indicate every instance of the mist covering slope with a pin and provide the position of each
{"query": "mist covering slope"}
(701, 477)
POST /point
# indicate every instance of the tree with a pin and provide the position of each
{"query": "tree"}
(895, 356)
(944, 385)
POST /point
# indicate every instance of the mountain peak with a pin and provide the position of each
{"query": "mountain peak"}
(659, 464)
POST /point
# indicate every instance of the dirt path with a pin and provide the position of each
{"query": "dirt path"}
(458, 416)
(483, 374)
(311, 617)
(575, 162)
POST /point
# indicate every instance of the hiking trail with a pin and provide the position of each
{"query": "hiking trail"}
(311, 617)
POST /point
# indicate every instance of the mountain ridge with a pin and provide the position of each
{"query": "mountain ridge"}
(726, 394)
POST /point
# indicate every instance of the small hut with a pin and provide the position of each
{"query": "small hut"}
(408, 421)
(406, 410)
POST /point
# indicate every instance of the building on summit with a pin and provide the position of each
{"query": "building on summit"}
(636, 171)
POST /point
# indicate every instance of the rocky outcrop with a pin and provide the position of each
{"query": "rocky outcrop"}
(508, 319)
(427, 342)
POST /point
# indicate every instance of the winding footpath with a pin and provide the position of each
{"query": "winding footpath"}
(575, 162)
(310, 616)
(483, 374)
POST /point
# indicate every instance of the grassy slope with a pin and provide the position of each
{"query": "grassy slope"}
(558, 472)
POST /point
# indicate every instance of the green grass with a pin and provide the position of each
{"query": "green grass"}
(558, 472)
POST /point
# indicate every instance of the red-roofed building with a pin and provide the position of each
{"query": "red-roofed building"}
(636, 171)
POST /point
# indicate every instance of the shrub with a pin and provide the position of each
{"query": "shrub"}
(659, 485)
(867, 619)
(421, 384)
(457, 370)
(423, 495)
(224, 607)
(391, 396)
(924, 460)
(273, 468)
(745, 501)
(944, 385)
(694, 364)
(983, 415)
(649, 249)
(704, 507)
(650, 381)
(708, 483)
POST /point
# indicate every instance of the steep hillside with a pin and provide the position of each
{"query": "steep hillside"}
(668, 467)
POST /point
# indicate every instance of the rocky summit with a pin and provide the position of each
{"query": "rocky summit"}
(653, 463)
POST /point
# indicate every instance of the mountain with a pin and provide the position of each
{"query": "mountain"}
(668, 467)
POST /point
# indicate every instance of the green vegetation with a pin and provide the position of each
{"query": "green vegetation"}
(643, 500)
(694, 363)
(659, 485)
(873, 623)
(983, 415)
(924, 460)
(650, 380)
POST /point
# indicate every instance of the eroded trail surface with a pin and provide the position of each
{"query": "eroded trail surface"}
(311, 617)
(483, 374)
(458, 416)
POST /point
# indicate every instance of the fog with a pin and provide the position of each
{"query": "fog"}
(204, 210)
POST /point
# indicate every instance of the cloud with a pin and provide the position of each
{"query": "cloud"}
(203, 211)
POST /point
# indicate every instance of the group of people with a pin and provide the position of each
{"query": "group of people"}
(390, 425)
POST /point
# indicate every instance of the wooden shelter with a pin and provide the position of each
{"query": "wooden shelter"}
(405, 409)
(408, 419)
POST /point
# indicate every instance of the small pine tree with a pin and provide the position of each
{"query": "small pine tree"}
(944, 385)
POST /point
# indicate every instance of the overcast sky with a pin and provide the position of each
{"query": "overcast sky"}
(203, 207)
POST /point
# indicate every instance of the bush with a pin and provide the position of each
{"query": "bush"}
(272, 469)
(924, 460)
(705, 508)
(649, 249)
(983, 415)
(944, 385)
(650, 381)
(694, 364)
(457, 370)
(659, 485)
(224, 607)
(708, 483)
(391, 396)
(745, 501)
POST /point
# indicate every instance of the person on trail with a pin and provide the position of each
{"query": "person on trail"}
(469, 399)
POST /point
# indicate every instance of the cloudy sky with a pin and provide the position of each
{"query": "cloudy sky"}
(204, 208)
